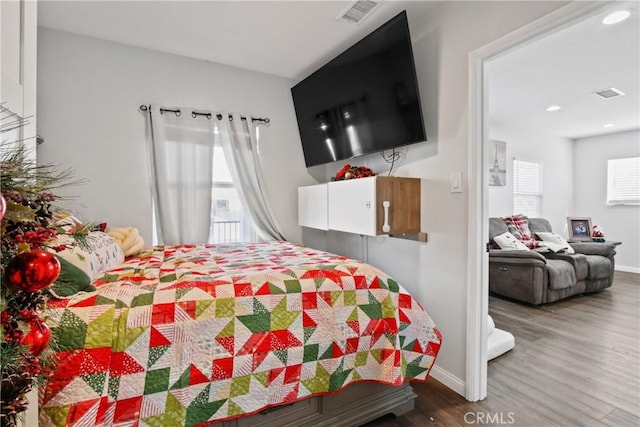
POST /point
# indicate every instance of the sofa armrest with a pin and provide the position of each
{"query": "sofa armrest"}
(594, 248)
(515, 255)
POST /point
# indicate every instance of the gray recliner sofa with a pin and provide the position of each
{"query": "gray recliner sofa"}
(538, 278)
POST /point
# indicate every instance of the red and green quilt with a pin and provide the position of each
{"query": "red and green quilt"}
(192, 335)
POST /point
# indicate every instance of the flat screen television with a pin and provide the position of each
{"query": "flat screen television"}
(364, 100)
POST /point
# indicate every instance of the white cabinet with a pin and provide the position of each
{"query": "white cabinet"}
(353, 206)
(357, 206)
(312, 206)
(18, 31)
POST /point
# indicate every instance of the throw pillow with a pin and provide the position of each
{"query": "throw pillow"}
(555, 239)
(70, 281)
(507, 240)
(518, 225)
(99, 254)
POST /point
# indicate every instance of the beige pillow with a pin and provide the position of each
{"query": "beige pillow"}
(557, 241)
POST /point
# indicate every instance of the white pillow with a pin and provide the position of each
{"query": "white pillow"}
(507, 240)
(555, 239)
(100, 254)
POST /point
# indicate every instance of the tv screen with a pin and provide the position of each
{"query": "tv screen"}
(364, 100)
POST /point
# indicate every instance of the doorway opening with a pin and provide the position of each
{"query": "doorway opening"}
(479, 176)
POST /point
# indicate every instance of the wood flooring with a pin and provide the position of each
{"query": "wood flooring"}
(576, 363)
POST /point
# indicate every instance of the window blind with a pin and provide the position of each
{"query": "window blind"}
(623, 181)
(527, 188)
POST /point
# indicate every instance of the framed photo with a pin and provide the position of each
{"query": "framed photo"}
(497, 163)
(579, 228)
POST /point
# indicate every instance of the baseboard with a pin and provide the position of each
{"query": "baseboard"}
(448, 379)
(628, 269)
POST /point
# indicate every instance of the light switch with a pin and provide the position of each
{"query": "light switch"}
(455, 183)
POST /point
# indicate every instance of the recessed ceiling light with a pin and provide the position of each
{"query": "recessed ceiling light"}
(608, 125)
(553, 108)
(615, 17)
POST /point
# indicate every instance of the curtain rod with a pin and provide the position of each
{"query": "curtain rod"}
(208, 115)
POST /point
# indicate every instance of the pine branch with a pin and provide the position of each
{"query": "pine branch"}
(20, 174)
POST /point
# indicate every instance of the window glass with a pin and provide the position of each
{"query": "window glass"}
(527, 188)
(623, 181)
(230, 221)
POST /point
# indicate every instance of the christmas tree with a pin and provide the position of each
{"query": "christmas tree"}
(27, 268)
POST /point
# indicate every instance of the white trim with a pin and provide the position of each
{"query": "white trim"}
(627, 269)
(448, 379)
(477, 263)
(477, 282)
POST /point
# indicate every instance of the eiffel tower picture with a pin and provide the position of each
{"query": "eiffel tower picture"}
(498, 170)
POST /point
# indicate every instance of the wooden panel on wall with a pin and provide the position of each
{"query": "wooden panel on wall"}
(404, 210)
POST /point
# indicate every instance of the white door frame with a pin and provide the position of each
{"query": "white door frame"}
(478, 224)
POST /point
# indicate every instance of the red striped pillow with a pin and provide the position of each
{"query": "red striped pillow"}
(518, 225)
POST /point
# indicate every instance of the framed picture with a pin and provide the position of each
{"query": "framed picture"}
(579, 228)
(497, 163)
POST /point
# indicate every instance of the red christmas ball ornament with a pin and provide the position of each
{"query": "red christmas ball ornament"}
(32, 271)
(3, 206)
(38, 337)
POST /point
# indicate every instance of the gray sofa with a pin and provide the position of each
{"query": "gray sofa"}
(537, 278)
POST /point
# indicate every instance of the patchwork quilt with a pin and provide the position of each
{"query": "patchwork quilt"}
(193, 335)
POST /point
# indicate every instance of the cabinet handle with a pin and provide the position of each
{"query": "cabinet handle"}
(503, 269)
(386, 227)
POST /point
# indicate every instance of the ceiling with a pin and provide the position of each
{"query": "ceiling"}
(285, 38)
(564, 69)
(293, 38)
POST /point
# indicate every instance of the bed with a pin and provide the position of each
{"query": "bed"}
(270, 333)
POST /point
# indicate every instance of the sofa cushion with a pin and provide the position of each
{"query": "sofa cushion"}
(561, 274)
(599, 267)
(537, 225)
(577, 261)
(496, 228)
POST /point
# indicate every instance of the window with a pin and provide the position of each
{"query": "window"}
(623, 181)
(229, 219)
(527, 188)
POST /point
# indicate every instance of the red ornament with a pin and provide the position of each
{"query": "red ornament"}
(38, 337)
(32, 271)
(3, 206)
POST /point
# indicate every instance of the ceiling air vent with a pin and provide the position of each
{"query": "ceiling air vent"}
(357, 11)
(609, 93)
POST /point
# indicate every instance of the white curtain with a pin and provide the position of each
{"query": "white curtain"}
(181, 160)
(181, 148)
(240, 144)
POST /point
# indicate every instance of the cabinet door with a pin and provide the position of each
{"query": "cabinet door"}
(312, 206)
(11, 48)
(352, 206)
(18, 31)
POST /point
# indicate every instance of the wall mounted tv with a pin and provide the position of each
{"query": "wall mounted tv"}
(364, 100)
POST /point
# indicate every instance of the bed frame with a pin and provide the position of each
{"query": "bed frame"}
(356, 405)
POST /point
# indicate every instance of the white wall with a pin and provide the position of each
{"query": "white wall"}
(555, 153)
(89, 92)
(621, 223)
